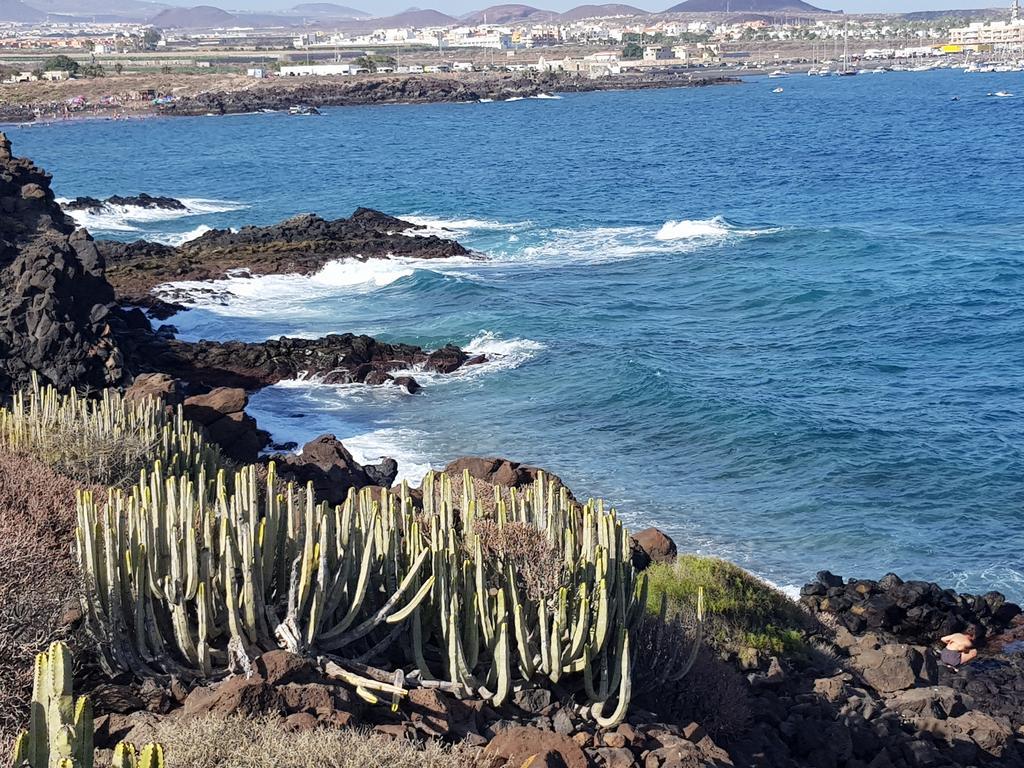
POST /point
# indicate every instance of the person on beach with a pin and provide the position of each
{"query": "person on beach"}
(959, 648)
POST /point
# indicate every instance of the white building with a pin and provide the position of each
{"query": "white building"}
(308, 70)
(999, 34)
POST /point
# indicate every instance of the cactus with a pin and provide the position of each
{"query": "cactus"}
(98, 440)
(189, 577)
(60, 727)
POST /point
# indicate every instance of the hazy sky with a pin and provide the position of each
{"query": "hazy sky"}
(456, 7)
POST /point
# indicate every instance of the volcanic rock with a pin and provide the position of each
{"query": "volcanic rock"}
(326, 463)
(336, 359)
(142, 200)
(221, 414)
(656, 544)
(300, 245)
(57, 312)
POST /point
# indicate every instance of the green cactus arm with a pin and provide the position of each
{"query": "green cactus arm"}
(152, 756)
(83, 733)
(619, 713)
(125, 756)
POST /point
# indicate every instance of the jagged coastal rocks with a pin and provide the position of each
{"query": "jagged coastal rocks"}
(300, 245)
(149, 202)
(853, 683)
(58, 315)
(70, 305)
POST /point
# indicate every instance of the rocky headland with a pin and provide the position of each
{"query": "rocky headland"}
(300, 245)
(70, 307)
(133, 95)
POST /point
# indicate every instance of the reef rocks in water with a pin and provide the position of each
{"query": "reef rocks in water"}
(918, 611)
(300, 245)
(142, 200)
(57, 311)
(334, 359)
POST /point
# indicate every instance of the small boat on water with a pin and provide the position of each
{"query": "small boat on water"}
(812, 72)
(304, 110)
(1001, 94)
(778, 73)
(777, 90)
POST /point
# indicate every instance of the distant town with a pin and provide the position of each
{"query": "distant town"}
(590, 42)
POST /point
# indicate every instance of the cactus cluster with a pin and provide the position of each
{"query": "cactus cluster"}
(195, 578)
(99, 440)
(60, 733)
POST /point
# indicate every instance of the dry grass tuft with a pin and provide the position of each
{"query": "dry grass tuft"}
(536, 562)
(38, 576)
(236, 742)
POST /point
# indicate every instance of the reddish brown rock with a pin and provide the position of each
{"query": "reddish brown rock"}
(656, 544)
(238, 695)
(516, 745)
(159, 386)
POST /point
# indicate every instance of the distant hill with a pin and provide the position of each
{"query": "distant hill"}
(199, 17)
(961, 13)
(415, 17)
(132, 10)
(17, 11)
(329, 11)
(507, 14)
(739, 6)
(599, 11)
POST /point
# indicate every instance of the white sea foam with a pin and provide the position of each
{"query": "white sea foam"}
(132, 218)
(552, 96)
(455, 228)
(180, 238)
(716, 228)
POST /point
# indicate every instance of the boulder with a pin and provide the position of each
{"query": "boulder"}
(515, 745)
(250, 697)
(221, 414)
(656, 544)
(895, 667)
(327, 463)
(937, 701)
(159, 386)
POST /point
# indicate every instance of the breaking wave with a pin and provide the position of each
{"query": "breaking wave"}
(717, 228)
(132, 218)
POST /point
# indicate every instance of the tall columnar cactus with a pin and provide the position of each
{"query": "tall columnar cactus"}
(91, 436)
(182, 581)
(495, 629)
(194, 577)
(60, 733)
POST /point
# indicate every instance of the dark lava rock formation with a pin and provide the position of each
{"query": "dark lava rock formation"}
(300, 245)
(336, 359)
(917, 611)
(141, 200)
(57, 311)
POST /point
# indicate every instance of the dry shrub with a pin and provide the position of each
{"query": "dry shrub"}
(236, 742)
(95, 456)
(38, 576)
(661, 651)
(713, 694)
(536, 562)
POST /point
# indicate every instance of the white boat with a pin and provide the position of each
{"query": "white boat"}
(1001, 94)
(778, 73)
(812, 72)
(776, 90)
(824, 72)
(878, 70)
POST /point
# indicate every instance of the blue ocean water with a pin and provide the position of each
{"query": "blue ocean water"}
(787, 328)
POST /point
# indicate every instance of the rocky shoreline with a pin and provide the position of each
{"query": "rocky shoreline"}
(241, 96)
(300, 245)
